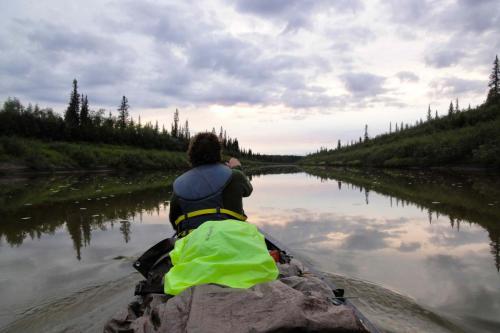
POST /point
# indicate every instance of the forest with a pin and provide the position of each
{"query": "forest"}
(83, 138)
(462, 138)
(82, 124)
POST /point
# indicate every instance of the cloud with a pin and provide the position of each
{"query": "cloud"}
(443, 57)
(212, 65)
(363, 84)
(408, 12)
(296, 14)
(463, 16)
(309, 99)
(406, 76)
(457, 32)
(453, 87)
(52, 55)
(196, 54)
(56, 38)
(470, 16)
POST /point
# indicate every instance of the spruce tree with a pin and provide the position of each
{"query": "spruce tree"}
(339, 144)
(72, 116)
(236, 146)
(187, 135)
(450, 109)
(175, 125)
(366, 133)
(84, 112)
(457, 109)
(221, 134)
(494, 83)
(429, 116)
(123, 113)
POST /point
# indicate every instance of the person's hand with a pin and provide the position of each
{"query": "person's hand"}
(233, 163)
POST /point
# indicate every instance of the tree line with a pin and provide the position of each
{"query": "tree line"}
(80, 123)
(462, 134)
(454, 118)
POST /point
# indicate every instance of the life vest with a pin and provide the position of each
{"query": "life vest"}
(199, 191)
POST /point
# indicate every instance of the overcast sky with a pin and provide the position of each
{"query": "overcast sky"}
(284, 76)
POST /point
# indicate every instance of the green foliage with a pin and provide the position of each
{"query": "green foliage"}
(72, 115)
(81, 124)
(50, 156)
(123, 113)
(494, 83)
(13, 146)
(461, 138)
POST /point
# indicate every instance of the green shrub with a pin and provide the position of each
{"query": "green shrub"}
(36, 160)
(85, 158)
(14, 146)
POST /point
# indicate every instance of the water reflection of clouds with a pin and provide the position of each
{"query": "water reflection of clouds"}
(362, 233)
(444, 236)
(404, 246)
(409, 247)
(366, 240)
(457, 290)
(348, 232)
(380, 250)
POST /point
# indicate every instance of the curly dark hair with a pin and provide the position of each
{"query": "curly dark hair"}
(204, 148)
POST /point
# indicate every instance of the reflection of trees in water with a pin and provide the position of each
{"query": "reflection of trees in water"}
(461, 197)
(125, 230)
(255, 172)
(495, 249)
(99, 214)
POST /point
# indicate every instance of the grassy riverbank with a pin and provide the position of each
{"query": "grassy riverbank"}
(461, 139)
(25, 155)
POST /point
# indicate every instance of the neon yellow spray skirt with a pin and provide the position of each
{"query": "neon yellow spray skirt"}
(230, 253)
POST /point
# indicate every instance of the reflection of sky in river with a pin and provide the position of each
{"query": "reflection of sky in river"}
(440, 266)
(46, 268)
(385, 241)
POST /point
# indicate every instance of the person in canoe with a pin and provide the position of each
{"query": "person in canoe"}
(215, 244)
(215, 248)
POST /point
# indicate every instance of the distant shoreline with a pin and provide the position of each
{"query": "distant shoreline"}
(457, 168)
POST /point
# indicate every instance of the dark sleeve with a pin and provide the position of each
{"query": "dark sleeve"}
(175, 210)
(245, 185)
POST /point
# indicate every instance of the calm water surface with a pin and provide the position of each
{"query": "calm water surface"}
(420, 250)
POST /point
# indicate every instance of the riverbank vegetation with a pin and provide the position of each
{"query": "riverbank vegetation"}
(24, 154)
(40, 139)
(468, 137)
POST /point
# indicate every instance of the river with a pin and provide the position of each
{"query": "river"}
(418, 251)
